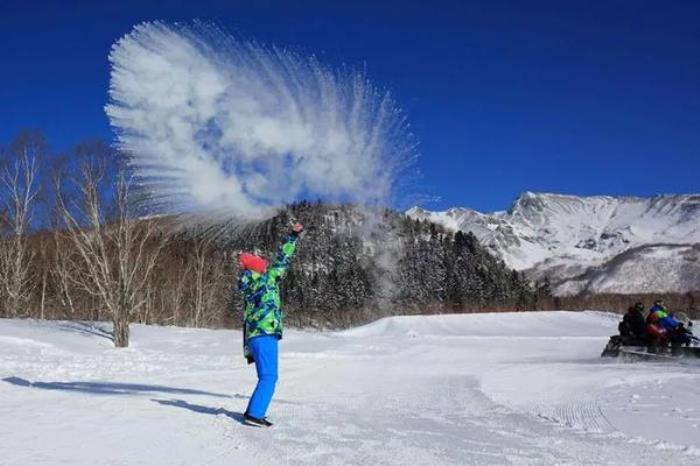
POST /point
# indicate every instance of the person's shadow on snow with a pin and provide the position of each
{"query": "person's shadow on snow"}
(109, 388)
(202, 409)
(120, 388)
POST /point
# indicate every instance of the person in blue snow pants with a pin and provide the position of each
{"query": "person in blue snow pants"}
(262, 326)
(264, 350)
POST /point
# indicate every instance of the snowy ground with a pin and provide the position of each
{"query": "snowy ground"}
(525, 388)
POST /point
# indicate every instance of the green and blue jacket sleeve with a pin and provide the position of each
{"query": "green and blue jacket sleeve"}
(284, 256)
(245, 280)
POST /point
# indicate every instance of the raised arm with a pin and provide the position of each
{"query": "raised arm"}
(285, 253)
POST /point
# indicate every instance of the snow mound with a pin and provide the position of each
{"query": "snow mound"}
(555, 324)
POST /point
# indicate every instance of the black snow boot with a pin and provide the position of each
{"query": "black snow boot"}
(254, 421)
(266, 422)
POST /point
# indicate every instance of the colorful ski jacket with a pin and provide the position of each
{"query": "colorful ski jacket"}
(659, 315)
(263, 308)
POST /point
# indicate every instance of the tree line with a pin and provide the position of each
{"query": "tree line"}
(75, 246)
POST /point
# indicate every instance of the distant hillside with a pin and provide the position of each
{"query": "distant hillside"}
(354, 262)
(352, 265)
(598, 244)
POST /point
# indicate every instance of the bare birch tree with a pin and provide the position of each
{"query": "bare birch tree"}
(20, 190)
(60, 269)
(174, 277)
(44, 270)
(201, 254)
(114, 258)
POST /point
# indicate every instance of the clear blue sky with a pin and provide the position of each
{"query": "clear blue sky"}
(580, 97)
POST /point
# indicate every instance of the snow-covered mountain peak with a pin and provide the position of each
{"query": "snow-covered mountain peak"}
(547, 231)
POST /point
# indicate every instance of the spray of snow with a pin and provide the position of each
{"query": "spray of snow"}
(213, 124)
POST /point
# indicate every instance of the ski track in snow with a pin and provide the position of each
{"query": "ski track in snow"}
(522, 388)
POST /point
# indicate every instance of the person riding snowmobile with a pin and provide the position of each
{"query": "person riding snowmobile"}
(633, 323)
(663, 326)
(659, 328)
(655, 329)
(633, 327)
(262, 327)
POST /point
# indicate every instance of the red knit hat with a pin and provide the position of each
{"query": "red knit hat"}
(252, 262)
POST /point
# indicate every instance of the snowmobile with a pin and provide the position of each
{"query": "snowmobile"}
(642, 348)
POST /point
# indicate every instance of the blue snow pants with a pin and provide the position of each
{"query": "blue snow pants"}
(265, 353)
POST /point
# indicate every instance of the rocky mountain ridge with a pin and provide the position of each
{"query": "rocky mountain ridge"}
(598, 244)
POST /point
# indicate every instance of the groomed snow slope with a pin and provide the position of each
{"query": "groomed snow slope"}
(520, 388)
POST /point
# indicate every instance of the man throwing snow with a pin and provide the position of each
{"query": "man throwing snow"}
(262, 327)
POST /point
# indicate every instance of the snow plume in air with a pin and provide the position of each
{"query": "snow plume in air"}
(218, 125)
